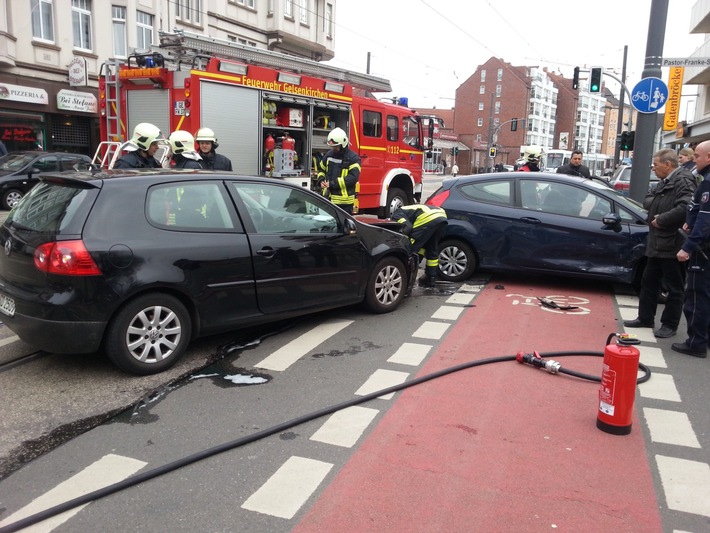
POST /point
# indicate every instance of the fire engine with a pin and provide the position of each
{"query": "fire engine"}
(271, 113)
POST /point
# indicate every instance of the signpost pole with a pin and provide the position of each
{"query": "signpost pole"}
(647, 123)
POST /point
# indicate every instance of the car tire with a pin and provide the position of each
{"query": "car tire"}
(396, 198)
(387, 286)
(11, 197)
(149, 334)
(457, 261)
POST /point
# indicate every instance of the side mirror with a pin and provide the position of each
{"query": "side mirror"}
(612, 221)
(350, 226)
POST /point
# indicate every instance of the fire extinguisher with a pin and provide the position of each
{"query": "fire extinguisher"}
(617, 390)
(288, 143)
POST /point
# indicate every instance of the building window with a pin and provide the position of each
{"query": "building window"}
(479, 137)
(118, 17)
(288, 8)
(303, 11)
(81, 23)
(328, 20)
(498, 89)
(480, 122)
(482, 89)
(189, 11)
(483, 75)
(247, 3)
(144, 23)
(497, 108)
(480, 106)
(500, 74)
(43, 20)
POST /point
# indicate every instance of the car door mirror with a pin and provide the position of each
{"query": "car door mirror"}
(612, 221)
(350, 226)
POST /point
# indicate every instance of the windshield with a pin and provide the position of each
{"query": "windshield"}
(627, 202)
(16, 161)
(554, 160)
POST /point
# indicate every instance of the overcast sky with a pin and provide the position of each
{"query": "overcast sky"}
(427, 48)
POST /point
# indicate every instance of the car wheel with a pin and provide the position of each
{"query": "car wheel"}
(396, 198)
(149, 334)
(386, 286)
(457, 261)
(11, 198)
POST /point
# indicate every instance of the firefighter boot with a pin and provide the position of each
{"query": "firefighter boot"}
(427, 281)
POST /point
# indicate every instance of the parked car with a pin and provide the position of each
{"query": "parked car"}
(621, 179)
(20, 171)
(140, 263)
(540, 223)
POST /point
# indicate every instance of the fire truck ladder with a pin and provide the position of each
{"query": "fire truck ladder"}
(109, 70)
(185, 45)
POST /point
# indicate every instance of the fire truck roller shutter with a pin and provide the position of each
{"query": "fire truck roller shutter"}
(234, 114)
(149, 106)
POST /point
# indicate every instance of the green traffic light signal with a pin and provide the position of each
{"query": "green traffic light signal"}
(595, 80)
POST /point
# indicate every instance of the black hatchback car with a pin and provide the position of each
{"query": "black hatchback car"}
(140, 263)
(20, 171)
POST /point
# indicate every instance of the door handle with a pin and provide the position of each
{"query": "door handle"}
(266, 251)
(530, 220)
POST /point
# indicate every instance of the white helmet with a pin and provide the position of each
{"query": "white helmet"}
(181, 141)
(206, 134)
(532, 154)
(145, 134)
(337, 137)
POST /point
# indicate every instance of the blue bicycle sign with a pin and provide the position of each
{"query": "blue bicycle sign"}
(649, 95)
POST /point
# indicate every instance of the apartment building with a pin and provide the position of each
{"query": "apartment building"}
(52, 52)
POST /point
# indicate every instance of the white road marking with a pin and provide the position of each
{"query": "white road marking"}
(642, 334)
(471, 288)
(447, 312)
(686, 484)
(623, 300)
(460, 298)
(106, 471)
(629, 313)
(289, 488)
(345, 427)
(9, 340)
(382, 379)
(670, 427)
(410, 354)
(288, 354)
(660, 387)
(652, 356)
(431, 330)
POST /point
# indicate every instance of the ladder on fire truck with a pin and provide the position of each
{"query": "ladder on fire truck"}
(182, 46)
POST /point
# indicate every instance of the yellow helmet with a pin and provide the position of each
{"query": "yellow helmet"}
(337, 137)
(181, 141)
(145, 134)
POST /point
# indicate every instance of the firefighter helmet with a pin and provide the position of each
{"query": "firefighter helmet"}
(181, 141)
(206, 135)
(145, 134)
(532, 154)
(337, 137)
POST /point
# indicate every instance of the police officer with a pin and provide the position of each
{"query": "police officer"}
(207, 144)
(423, 224)
(145, 140)
(182, 144)
(339, 171)
(696, 306)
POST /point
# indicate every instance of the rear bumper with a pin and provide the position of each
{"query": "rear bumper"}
(57, 336)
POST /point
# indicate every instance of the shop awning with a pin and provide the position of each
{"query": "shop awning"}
(445, 145)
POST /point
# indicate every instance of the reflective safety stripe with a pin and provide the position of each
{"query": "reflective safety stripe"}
(432, 262)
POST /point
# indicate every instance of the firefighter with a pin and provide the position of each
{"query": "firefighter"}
(145, 140)
(211, 160)
(182, 144)
(339, 171)
(532, 156)
(424, 225)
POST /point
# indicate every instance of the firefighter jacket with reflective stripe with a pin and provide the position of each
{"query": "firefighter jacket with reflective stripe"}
(341, 170)
(418, 218)
(135, 159)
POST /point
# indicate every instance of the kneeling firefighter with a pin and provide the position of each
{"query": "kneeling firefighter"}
(423, 224)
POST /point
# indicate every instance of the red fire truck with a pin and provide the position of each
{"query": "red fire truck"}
(270, 112)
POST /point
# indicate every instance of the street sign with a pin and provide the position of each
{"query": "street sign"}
(685, 62)
(649, 95)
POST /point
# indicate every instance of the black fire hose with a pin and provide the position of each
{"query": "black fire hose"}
(204, 454)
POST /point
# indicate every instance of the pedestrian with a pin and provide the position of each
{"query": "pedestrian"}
(575, 166)
(454, 170)
(3, 149)
(531, 159)
(339, 171)
(666, 204)
(211, 160)
(694, 251)
(424, 225)
(143, 146)
(686, 157)
(182, 144)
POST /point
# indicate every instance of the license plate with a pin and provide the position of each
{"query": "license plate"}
(7, 305)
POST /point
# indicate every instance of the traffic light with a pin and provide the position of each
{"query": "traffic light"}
(492, 151)
(595, 80)
(451, 150)
(514, 125)
(627, 140)
(456, 150)
(575, 80)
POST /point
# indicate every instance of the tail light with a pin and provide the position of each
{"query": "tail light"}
(438, 198)
(66, 258)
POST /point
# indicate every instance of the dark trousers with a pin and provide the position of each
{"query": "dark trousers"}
(670, 271)
(426, 243)
(697, 302)
(348, 208)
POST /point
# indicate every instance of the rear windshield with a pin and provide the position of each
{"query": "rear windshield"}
(55, 208)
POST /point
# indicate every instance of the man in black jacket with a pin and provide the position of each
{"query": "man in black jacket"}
(211, 160)
(575, 166)
(667, 206)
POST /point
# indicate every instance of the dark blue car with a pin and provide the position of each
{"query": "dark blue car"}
(540, 223)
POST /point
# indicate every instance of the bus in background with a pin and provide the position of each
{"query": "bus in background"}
(598, 164)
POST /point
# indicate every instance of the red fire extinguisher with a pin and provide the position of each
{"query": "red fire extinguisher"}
(288, 143)
(618, 386)
(269, 143)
